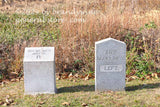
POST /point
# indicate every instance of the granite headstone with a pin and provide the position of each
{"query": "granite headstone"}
(39, 70)
(110, 65)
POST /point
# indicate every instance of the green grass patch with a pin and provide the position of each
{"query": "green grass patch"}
(138, 93)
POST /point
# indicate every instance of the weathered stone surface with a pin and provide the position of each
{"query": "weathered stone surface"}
(39, 70)
(110, 65)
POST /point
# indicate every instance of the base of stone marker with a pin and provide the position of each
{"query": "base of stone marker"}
(99, 90)
(37, 93)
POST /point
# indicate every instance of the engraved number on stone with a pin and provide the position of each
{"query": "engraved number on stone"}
(38, 57)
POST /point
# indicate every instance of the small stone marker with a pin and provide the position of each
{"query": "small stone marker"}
(110, 65)
(39, 71)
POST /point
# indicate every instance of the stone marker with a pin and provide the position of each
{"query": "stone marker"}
(39, 71)
(110, 65)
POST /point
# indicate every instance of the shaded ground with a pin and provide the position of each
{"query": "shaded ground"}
(138, 93)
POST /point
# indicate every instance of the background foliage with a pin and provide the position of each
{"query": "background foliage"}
(136, 24)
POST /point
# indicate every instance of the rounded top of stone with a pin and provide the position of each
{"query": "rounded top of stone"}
(109, 39)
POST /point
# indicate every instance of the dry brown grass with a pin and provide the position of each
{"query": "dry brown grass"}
(116, 19)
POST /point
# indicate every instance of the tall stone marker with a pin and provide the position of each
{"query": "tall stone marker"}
(39, 71)
(110, 65)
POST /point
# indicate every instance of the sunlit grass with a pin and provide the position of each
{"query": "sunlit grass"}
(146, 93)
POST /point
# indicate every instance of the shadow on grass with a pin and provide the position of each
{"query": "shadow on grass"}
(142, 86)
(86, 88)
(76, 88)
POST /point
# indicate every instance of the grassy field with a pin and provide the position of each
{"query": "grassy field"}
(81, 93)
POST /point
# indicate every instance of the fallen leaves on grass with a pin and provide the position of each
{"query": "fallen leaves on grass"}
(142, 78)
(73, 77)
(154, 75)
(86, 78)
(74, 81)
(149, 76)
(58, 78)
(76, 75)
(22, 79)
(70, 75)
(84, 104)
(132, 78)
(5, 104)
(13, 75)
(8, 100)
(1, 102)
(65, 104)
(3, 83)
(41, 103)
(13, 80)
(89, 76)
(65, 75)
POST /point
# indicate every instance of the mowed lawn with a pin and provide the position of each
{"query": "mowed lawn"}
(79, 93)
